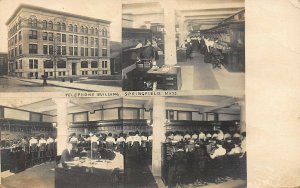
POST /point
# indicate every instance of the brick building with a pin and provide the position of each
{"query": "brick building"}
(58, 44)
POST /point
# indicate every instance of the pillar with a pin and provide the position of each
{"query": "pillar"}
(62, 123)
(159, 129)
(242, 116)
(182, 30)
(170, 33)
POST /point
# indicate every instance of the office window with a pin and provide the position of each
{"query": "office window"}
(32, 34)
(20, 35)
(81, 40)
(58, 26)
(33, 63)
(75, 28)
(50, 25)
(86, 53)
(92, 30)
(84, 64)
(92, 51)
(33, 48)
(82, 51)
(58, 52)
(104, 64)
(96, 52)
(104, 52)
(70, 38)
(104, 32)
(63, 26)
(82, 29)
(70, 50)
(71, 28)
(94, 64)
(58, 37)
(97, 41)
(30, 22)
(15, 38)
(104, 42)
(75, 39)
(96, 31)
(50, 73)
(50, 36)
(34, 22)
(75, 51)
(16, 65)
(31, 74)
(20, 49)
(86, 40)
(44, 24)
(51, 49)
(45, 49)
(63, 37)
(15, 51)
(20, 64)
(92, 41)
(59, 73)
(45, 34)
(63, 50)
(48, 64)
(86, 30)
(61, 64)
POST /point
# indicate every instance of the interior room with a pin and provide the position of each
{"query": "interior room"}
(217, 63)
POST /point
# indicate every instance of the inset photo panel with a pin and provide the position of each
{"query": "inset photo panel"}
(183, 45)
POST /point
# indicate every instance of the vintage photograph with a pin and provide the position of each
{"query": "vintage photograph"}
(60, 46)
(183, 45)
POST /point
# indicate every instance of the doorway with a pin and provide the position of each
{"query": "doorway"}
(74, 68)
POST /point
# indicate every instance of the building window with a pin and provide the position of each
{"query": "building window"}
(16, 65)
(96, 31)
(86, 30)
(51, 73)
(84, 64)
(33, 63)
(45, 49)
(104, 64)
(63, 37)
(70, 38)
(50, 36)
(15, 51)
(75, 51)
(104, 52)
(45, 34)
(58, 26)
(63, 50)
(81, 40)
(31, 74)
(59, 73)
(94, 64)
(30, 22)
(96, 52)
(75, 39)
(61, 64)
(20, 50)
(104, 72)
(92, 41)
(104, 32)
(92, 51)
(20, 64)
(51, 49)
(82, 51)
(86, 52)
(104, 42)
(32, 34)
(86, 40)
(15, 39)
(58, 52)
(44, 24)
(33, 48)
(20, 35)
(71, 28)
(58, 37)
(97, 41)
(48, 64)
(50, 25)
(34, 22)
(75, 28)
(63, 26)
(82, 29)
(92, 30)
(70, 50)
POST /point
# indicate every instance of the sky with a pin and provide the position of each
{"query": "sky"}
(103, 9)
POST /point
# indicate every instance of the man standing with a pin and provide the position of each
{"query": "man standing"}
(66, 155)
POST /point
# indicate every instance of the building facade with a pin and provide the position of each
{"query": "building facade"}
(57, 44)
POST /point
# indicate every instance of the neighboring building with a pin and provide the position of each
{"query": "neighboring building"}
(57, 43)
(3, 64)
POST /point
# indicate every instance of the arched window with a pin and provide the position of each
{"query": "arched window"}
(86, 30)
(82, 29)
(30, 22)
(63, 26)
(92, 30)
(96, 31)
(34, 22)
(84, 64)
(58, 26)
(71, 28)
(61, 64)
(44, 24)
(75, 28)
(50, 25)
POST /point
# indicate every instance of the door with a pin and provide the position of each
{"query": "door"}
(74, 66)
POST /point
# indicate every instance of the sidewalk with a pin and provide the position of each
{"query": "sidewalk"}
(74, 85)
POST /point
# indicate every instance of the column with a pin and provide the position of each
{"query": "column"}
(242, 116)
(159, 129)
(170, 33)
(182, 30)
(62, 123)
